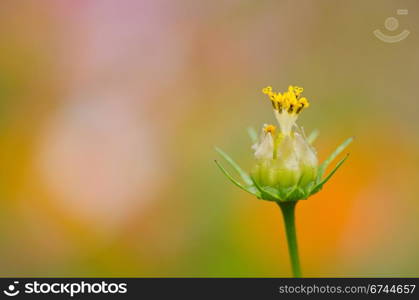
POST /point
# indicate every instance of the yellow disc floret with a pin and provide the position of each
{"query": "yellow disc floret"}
(290, 101)
(268, 128)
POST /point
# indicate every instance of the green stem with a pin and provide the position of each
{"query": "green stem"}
(288, 212)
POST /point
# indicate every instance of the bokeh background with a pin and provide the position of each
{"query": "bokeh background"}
(109, 112)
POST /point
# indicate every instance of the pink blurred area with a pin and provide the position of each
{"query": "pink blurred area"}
(110, 111)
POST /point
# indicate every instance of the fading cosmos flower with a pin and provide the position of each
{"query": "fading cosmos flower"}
(286, 166)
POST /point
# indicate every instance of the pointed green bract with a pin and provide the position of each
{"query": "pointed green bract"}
(325, 164)
(246, 178)
(265, 194)
(313, 136)
(251, 191)
(296, 194)
(326, 179)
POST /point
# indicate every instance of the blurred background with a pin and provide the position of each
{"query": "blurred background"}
(109, 112)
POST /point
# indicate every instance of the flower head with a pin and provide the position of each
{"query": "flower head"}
(286, 166)
(284, 159)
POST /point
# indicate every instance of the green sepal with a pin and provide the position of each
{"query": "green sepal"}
(267, 193)
(250, 189)
(313, 136)
(307, 189)
(319, 186)
(325, 164)
(288, 194)
(246, 178)
(282, 193)
(295, 194)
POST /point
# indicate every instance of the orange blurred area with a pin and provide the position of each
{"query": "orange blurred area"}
(109, 113)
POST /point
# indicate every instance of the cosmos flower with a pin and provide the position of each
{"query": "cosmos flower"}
(286, 167)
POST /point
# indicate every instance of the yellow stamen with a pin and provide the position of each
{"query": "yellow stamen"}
(298, 91)
(269, 128)
(290, 101)
(304, 102)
